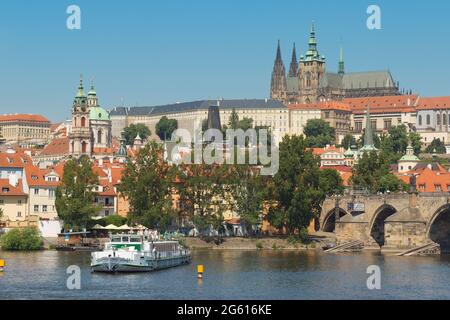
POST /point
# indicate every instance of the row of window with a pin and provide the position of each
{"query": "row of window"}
(444, 119)
(44, 208)
(19, 202)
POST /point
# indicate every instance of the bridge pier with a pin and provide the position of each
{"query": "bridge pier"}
(394, 222)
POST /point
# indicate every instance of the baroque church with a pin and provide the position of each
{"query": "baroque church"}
(309, 82)
(90, 131)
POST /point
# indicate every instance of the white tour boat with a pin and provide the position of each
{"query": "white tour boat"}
(137, 253)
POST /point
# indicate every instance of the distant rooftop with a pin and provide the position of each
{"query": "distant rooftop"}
(198, 105)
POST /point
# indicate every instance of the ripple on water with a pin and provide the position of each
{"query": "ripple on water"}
(232, 274)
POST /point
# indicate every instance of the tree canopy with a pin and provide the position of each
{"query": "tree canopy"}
(75, 195)
(437, 146)
(394, 144)
(147, 183)
(372, 173)
(348, 141)
(165, 127)
(300, 187)
(130, 133)
(319, 133)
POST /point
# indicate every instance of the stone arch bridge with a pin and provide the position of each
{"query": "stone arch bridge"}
(390, 222)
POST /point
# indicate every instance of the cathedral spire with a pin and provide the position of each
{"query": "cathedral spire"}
(80, 92)
(341, 62)
(278, 58)
(368, 136)
(293, 70)
(312, 53)
(278, 86)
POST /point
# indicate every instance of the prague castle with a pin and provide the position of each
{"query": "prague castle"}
(309, 82)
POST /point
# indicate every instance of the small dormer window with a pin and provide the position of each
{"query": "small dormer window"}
(5, 190)
(99, 115)
(34, 177)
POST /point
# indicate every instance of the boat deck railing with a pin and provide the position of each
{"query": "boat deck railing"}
(135, 255)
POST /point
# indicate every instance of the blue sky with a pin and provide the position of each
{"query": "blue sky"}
(156, 52)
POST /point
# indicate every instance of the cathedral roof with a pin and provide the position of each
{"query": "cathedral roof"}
(373, 79)
(331, 80)
(358, 80)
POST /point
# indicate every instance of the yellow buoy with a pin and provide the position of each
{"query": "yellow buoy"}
(200, 271)
(2, 265)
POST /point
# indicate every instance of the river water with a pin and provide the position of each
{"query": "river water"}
(232, 275)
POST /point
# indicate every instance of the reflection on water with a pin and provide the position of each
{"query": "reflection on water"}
(232, 275)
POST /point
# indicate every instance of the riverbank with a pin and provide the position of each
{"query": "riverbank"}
(317, 240)
(266, 243)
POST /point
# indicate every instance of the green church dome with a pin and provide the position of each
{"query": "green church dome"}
(98, 113)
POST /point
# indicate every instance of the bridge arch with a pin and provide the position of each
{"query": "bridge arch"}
(438, 228)
(376, 225)
(329, 222)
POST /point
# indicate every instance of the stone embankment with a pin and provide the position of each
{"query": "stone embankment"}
(266, 243)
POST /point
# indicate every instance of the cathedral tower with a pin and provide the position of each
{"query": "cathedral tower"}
(312, 69)
(80, 135)
(292, 79)
(278, 86)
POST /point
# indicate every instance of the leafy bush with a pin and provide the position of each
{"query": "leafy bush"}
(113, 219)
(25, 239)
(303, 236)
(259, 245)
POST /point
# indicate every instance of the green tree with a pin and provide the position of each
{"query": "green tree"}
(319, 133)
(113, 219)
(130, 133)
(395, 142)
(370, 170)
(330, 182)
(147, 183)
(165, 127)
(391, 183)
(436, 146)
(376, 139)
(1, 213)
(201, 192)
(298, 188)
(245, 123)
(348, 141)
(204, 125)
(248, 191)
(75, 195)
(23, 239)
(233, 122)
(416, 142)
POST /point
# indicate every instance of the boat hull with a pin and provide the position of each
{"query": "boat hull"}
(113, 265)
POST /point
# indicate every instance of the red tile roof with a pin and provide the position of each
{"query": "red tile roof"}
(386, 104)
(323, 105)
(24, 117)
(13, 191)
(36, 177)
(434, 103)
(14, 160)
(56, 147)
(321, 151)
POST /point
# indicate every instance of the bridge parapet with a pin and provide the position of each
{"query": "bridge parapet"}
(394, 221)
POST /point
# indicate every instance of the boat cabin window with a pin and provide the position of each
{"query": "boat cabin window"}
(125, 239)
(135, 239)
(115, 239)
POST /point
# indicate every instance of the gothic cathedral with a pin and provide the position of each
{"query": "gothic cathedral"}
(308, 81)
